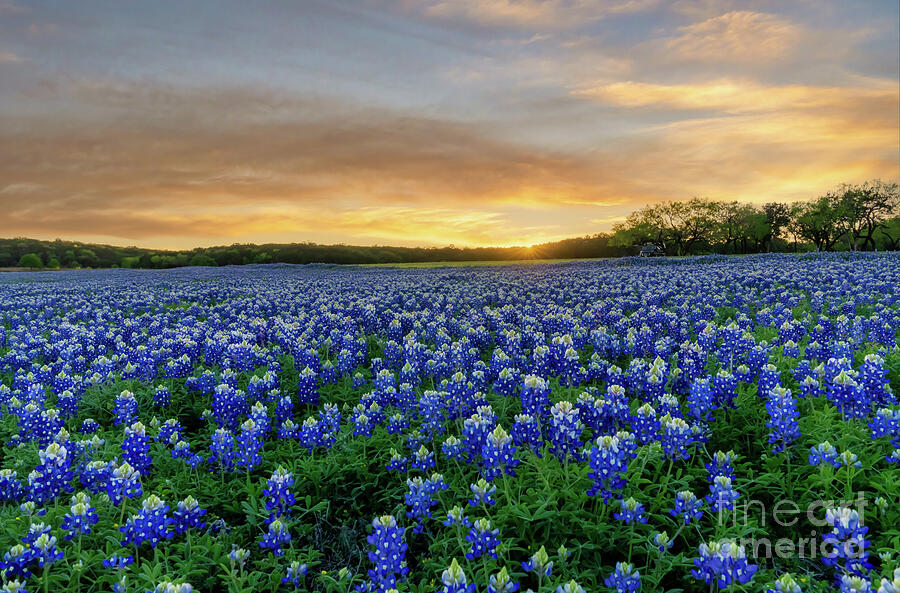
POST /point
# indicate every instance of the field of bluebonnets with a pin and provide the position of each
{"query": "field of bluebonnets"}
(699, 424)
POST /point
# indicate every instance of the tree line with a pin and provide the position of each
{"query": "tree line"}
(37, 254)
(852, 217)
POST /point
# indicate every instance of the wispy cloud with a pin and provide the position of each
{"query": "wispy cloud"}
(739, 36)
(532, 14)
(7, 57)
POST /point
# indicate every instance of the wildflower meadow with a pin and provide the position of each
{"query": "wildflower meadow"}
(698, 424)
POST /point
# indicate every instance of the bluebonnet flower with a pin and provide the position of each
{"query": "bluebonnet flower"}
(644, 423)
(539, 563)
(362, 426)
(80, 517)
(279, 497)
(506, 383)
(284, 410)
(171, 431)
(398, 462)
(150, 524)
(222, 448)
(457, 516)
(724, 389)
(483, 492)
(18, 560)
(13, 586)
(419, 499)
(892, 586)
(276, 537)
(311, 433)
(53, 475)
(570, 587)
(783, 415)
(848, 583)
(886, 423)
(35, 530)
(94, 476)
(125, 408)
(498, 454)
(249, 443)
(662, 541)
(476, 429)
(722, 464)
(452, 448)
(769, 378)
(677, 436)
(170, 587)
(810, 387)
(136, 448)
(11, 489)
(238, 557)
(565, 431)
(389, 555)
(188, 515)
(161, 397)
(849, 459)
(454, 580)
(45, 550)
(624, 579)
(422, 460)
(527, 433)
(847, 543)
(307, 387)
(824, 453)
(687, 506)
(460, 396)
(630, 510)
(723, 563)
(722, 494)
(228, 405)
(288, 430)
(259, 413)
(124, 482)
(535, 397)
(484, 539)
(435, 483)
(848, 396)
(118, 562)
(397, 423)
(502, 583)
(785, 584)
(89, 426)
(609, 461)
(875, 382)
(68, 404)
(294, 574)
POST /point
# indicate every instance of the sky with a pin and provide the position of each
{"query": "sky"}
(429, 122)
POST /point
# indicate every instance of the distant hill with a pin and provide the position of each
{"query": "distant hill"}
(75, 254)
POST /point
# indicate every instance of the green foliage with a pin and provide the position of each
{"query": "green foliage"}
(202, 260)
(31, 260)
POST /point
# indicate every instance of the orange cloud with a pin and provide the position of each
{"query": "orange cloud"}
(739, 36)
(740, 96)
(175, 167)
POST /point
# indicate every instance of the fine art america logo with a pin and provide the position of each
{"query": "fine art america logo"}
(820, 529)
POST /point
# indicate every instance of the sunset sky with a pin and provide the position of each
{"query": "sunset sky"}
(428, 122)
